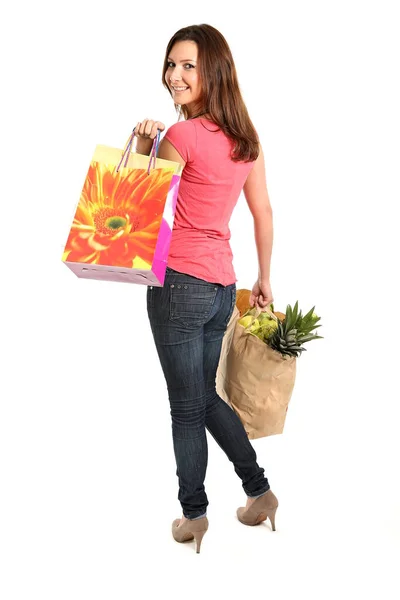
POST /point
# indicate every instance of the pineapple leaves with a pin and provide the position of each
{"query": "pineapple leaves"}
(307, 317)
(287, 336)
(307, 338)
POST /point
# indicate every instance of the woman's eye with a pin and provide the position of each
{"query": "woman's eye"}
(171, 64)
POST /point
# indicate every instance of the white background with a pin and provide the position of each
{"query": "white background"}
(87, 472)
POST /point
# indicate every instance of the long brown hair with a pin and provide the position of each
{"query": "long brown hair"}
(221, 97)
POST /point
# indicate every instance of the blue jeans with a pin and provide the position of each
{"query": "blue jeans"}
(188, 318)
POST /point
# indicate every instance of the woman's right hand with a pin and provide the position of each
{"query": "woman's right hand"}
(261, 294)
(147, 129)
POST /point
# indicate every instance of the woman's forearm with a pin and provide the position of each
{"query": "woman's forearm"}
(264, 235)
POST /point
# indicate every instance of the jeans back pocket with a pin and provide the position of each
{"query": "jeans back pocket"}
(191, 303)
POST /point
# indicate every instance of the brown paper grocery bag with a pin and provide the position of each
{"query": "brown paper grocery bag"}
(255, 380)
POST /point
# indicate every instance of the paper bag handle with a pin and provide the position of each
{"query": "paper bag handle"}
(259, 310)
(128, 146)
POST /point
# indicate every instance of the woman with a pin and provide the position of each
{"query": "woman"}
(219, 150)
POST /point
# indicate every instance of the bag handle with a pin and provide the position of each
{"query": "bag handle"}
(128, 146)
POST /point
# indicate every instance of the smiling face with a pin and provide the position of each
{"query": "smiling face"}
(183, 72)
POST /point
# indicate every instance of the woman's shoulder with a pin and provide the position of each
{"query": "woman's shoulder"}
(181, 126)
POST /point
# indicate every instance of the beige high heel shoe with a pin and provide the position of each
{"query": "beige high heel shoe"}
(262, 508)
(189, 530)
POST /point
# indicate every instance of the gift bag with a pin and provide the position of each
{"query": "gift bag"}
(123, 222)
(255, 380)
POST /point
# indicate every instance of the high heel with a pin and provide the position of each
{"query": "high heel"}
(272, 518)
(189, 530)
(263, 508)
(198, 536)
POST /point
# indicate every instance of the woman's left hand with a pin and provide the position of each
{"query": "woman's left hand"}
(261, 294)
(148, 129)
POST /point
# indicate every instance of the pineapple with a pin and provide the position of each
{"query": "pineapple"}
(294, 331)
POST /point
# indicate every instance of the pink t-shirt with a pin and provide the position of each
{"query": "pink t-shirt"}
(209, 190)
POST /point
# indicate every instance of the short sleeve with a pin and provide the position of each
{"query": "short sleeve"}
(183, 137)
